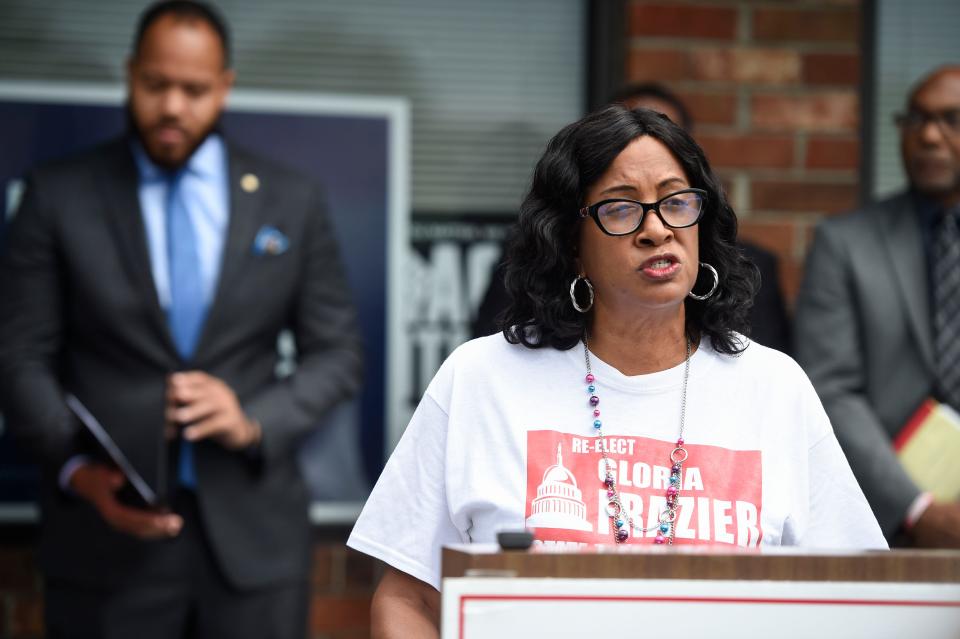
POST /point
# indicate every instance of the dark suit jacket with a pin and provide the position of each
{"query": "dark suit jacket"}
(80, 313)
(768, 320)
(863, 335)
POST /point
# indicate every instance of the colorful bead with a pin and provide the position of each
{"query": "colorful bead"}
(614, 509)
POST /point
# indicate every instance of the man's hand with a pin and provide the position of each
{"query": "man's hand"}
(938, 527)
(99, 484)
(207, 408)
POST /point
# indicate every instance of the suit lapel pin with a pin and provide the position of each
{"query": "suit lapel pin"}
(270, 241)
(249, 182)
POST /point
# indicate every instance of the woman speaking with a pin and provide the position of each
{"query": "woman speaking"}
(620, 405)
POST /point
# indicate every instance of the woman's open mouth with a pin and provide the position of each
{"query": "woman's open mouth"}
(660, 267)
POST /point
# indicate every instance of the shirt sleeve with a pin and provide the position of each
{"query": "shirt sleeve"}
(839, 516)
(406, 520)
(67, 470)
(829, 508)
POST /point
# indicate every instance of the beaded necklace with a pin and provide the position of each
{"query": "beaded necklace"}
(620, 517)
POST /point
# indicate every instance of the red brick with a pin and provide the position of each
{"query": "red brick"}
(833, 153)
(322, 569)
(710, 107)
(832, 111)
(17, 569)
(831, 68)
(26, 616)
(748, 151)
(361, 572)
(779, 195)
(791, 274)
(685, 21)
(644, 65)
(776, 24)
(728, 185)
(809, 230)
(774, 235)
(333, 614)
(746, 65)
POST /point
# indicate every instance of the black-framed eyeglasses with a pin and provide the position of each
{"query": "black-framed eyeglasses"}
(622, 217)
(914, 120)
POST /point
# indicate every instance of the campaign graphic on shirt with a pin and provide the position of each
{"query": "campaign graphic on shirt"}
(720, 489)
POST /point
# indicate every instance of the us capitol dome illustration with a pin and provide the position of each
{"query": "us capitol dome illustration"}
(559, 502)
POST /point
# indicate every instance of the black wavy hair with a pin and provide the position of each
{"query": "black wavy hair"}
(541, 255)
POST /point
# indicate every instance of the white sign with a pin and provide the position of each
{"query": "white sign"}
(480, 607)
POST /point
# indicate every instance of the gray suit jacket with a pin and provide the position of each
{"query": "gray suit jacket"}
(80, 314)
(864, 336)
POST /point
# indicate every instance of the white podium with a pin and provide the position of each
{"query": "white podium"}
(696, 592)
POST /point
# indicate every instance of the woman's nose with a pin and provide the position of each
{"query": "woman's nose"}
(653, 230)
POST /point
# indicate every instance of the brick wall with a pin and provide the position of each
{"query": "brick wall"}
(21, 610)
(774, 89)
(341, 586)
(343, 583)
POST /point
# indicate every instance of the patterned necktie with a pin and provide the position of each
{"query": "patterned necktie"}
(946, 304)
(187, 304)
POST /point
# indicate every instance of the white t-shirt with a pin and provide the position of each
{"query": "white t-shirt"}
(504, 439)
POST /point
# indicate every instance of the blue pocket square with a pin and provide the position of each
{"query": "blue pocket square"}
(270, 241)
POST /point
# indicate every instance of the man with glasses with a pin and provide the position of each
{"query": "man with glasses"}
(878, 317)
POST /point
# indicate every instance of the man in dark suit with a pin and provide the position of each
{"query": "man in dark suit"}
(877, 315)
(150, 277)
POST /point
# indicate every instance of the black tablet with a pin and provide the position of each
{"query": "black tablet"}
(134, 479)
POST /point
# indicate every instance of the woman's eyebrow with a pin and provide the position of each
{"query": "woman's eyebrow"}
(670, 180)
(619, 188)
(627, 188)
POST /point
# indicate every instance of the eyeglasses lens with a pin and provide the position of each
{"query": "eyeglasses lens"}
(678, 210)
(681, 209)
(619, 217)
(915, 120)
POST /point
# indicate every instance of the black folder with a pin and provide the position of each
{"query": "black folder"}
(143, 494)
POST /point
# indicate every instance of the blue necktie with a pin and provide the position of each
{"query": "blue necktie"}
(187, 304)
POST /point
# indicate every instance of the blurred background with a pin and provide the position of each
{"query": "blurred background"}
(792, 100)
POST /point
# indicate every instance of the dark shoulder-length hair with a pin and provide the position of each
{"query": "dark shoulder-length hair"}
(541, 257)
